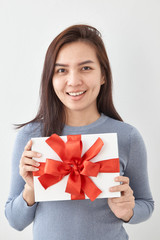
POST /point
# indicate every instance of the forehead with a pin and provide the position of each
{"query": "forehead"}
(76, 52)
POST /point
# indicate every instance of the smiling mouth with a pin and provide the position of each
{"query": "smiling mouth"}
(74, 94)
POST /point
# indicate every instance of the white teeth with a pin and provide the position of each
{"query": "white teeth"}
(75, 94)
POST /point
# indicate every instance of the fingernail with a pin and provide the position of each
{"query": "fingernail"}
(111, 189)
(116, 179)
(39, 154)
(37, 164)
(36, 169)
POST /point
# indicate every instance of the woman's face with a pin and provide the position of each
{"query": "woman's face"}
(77, 77)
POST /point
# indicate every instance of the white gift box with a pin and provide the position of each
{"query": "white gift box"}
(103, 180)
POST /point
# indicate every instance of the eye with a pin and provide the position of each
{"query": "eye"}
(61, 70)
(86, 68)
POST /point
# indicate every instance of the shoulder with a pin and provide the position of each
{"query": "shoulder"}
(29, 131)
(127, 134)
(131, 145)
(123, 128)
(23, 136)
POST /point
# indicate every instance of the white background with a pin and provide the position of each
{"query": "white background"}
(131, 32)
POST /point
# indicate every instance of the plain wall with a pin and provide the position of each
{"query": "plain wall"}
(131, 32)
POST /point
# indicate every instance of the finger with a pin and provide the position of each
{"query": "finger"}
(29, 161)
(31, 154)
(123, 199)
(120, 188)
(26, 169)
(28, 146)
(122, 179)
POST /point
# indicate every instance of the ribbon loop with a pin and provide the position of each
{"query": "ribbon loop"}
(56, 168)
(93, 150)
(57, 144)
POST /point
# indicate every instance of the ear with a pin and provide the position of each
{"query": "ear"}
(102, 80)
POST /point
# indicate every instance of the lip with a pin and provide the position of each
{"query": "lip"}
(75, 91)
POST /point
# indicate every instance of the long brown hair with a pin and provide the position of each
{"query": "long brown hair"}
(51, 110)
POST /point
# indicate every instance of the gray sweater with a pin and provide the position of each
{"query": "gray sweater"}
(82, 219)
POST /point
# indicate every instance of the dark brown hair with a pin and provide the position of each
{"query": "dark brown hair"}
(51, 110)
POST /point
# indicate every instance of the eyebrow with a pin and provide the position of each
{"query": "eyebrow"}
(79, 64)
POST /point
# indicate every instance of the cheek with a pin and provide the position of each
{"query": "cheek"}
(56, 85)
(96, 85)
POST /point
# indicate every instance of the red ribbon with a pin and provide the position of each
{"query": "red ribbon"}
(79, 168)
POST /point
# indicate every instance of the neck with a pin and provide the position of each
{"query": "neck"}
(77, 118)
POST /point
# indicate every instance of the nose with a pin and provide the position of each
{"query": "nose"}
(74, 78)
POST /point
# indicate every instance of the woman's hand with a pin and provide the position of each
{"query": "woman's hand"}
(122, 206)
(26, 167)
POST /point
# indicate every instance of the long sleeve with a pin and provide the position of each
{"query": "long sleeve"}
(137, 172)
(18, 213)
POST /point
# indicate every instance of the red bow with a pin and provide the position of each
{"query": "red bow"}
(79, 168)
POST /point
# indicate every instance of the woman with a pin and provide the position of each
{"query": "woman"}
(76, 98)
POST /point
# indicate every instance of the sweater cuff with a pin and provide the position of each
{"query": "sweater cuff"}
(140, 213)
(19, 214)
(25, 205)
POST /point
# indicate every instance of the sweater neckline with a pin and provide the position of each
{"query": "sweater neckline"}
(73, 129)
